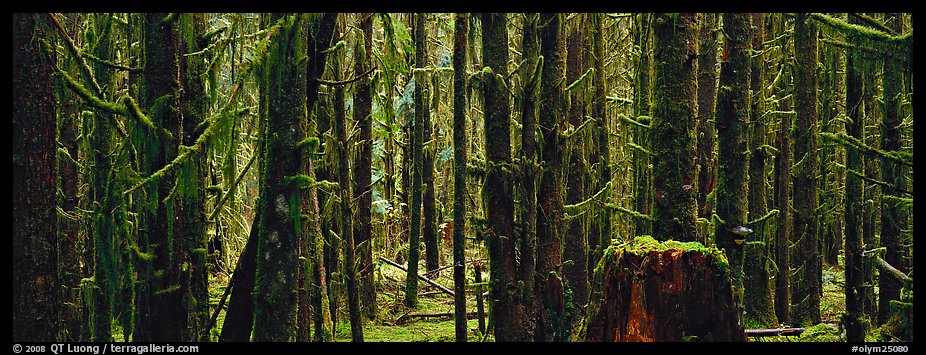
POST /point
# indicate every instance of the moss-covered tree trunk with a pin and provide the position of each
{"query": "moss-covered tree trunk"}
(675, 43)
(669, 291)
(575, 246)
(363, 108)
(275, 294)
(854, 318)
(102, 189)
(166, 321)
(191, 226)
(600, 232)
(732, 118)
(642, 100)
(507, 315)
(70, 235)
(418, 136)
(349, 269)
(783, 203)
(805, 293)
(35, 277)
(757, 299)
(530, 51)
(429, 226)
(460, 28)
(552, 112)
(871, 194)
(707, 93)
(892, 216)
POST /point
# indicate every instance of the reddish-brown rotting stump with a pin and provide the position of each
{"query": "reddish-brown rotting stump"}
(671, 291)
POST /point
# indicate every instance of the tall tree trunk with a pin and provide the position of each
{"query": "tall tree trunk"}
(675, 91)
(191, 226)
(102, 189)
(35, 277)
(506, 312)
(429, 228)
(363, 165)
(707, 93)
(421, 110)
(855, 324)
(275, 294)
(347, 220)
(892, 218)
(642, 102)
(530, 49)
(805, 295)
(732, 118)
(783, 203)
(550, 202)
(600, 233)
(165, 321)
(461, 27)
(70, 235)
(760, 312)
(575, 247)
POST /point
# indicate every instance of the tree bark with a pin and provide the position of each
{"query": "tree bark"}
(600, 233)
(757, 298)
(855, 326)
(575, 248)
(893, 219)
(275, 293)
(191, 226)
(642, 136)
(707, 94)
(732, 119)
(673, 126)
(550, 208)
(35, 277)
(506, 311)
(363, 164)
(421, 102)
(530, 49)
(805, 295)
(461, 27)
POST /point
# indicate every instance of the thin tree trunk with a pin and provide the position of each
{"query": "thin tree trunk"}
(892, 218)
(239, 317)
(421, 110)
(550, 201)
(167, 321)
(461, 27)
(732, 118)
(643, 82)
(191, 226)
(707, 93)
(673, 126)
(429, 227)
(35, 280)
(575, 247)
(756, 286)
(600, 234)
(805, 296)
(530, 49)
(855, 324)
(363, 165)
(783, 200)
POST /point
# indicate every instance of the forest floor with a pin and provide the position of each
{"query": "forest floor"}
(395, 325)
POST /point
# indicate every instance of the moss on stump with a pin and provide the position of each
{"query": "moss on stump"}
(669, 291)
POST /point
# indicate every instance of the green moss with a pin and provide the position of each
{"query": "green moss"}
(821, 333)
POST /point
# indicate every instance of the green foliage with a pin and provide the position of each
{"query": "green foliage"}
(821, 333)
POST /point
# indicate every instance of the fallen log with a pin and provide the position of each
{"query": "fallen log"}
(774, 332)
(406, 317)
(422, 278)
(891, 271)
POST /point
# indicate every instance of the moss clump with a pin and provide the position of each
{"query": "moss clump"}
(645, 244)
(821, 333)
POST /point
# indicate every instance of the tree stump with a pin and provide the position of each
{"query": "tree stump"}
(671, 291)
